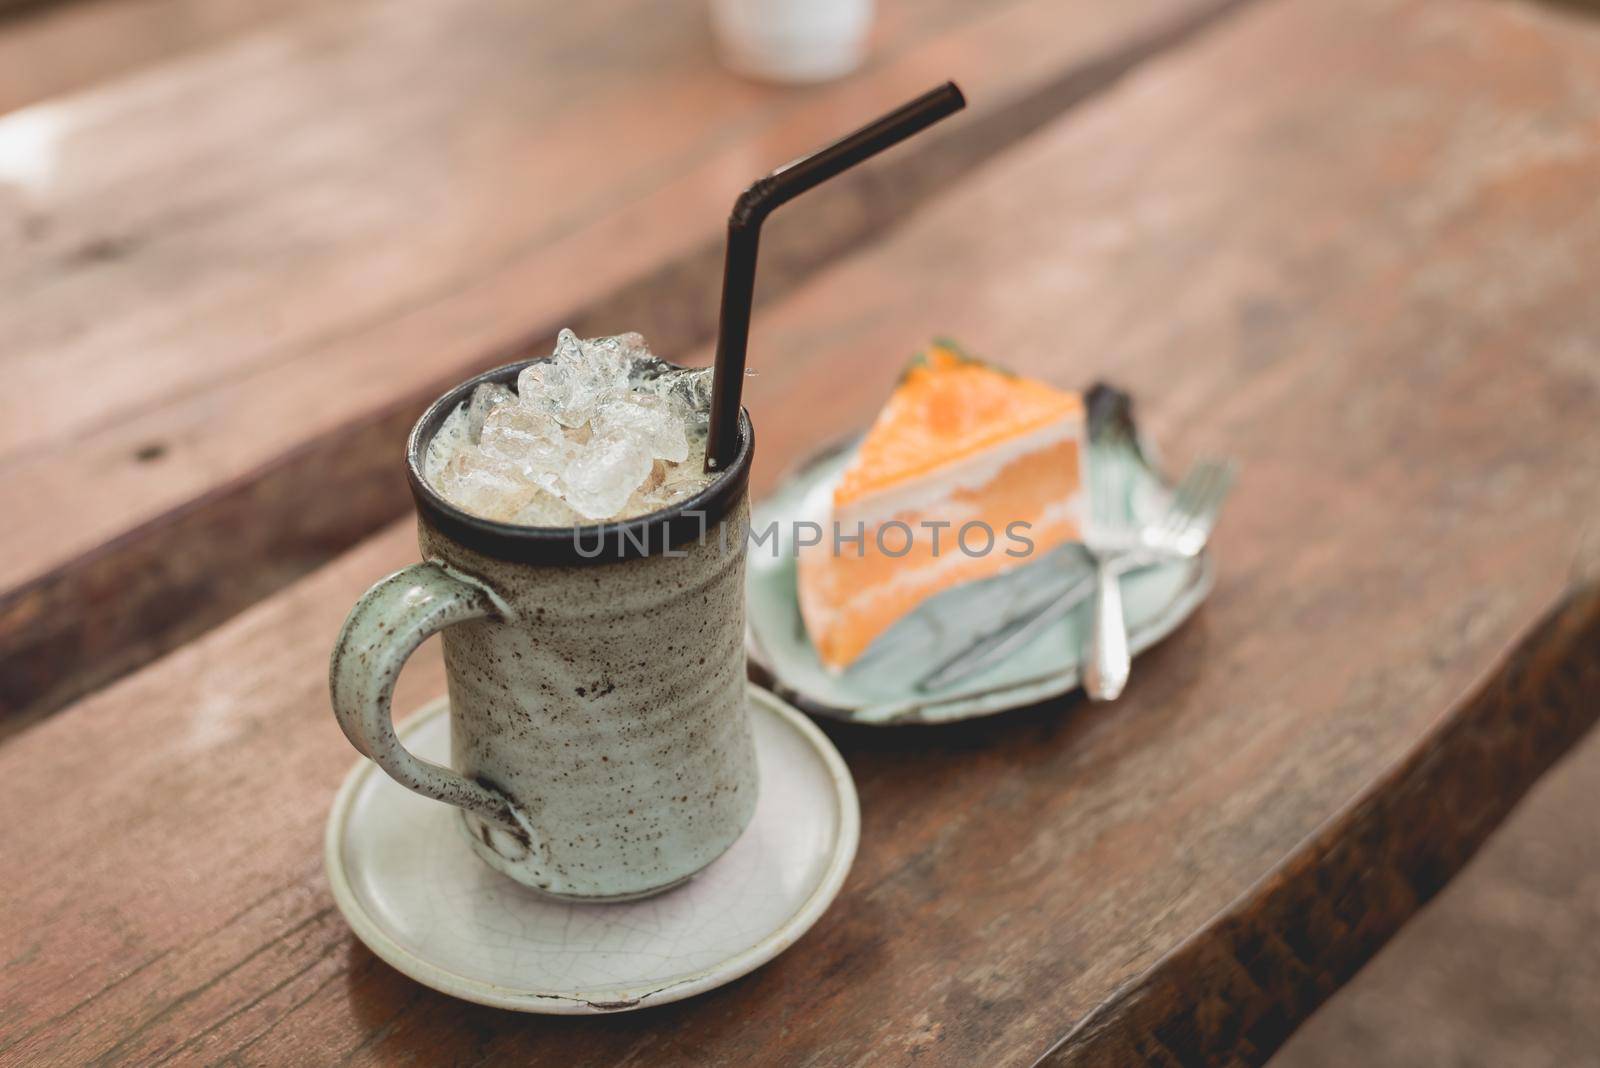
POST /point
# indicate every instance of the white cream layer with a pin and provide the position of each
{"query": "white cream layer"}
(935, 487)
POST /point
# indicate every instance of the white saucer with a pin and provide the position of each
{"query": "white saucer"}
(404, 877)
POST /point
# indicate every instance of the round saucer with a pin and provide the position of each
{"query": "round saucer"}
(413, 891)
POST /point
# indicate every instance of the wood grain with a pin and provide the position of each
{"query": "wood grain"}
(52, 47)
(1519, 911)
(1310, 275)
(270, 258)
(1236, 991)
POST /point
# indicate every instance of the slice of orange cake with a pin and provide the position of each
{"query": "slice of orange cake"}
(967, 472)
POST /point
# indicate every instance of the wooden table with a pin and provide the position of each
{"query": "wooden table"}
(308, 232)
(1348, 244)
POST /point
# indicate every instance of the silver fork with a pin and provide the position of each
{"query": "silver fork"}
(1118, 546)
(1182, 532)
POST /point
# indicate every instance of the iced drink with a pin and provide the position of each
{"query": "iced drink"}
(599, 741)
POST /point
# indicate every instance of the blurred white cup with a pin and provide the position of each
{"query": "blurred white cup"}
(793, 40)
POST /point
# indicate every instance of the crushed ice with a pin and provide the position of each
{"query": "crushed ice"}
(602, 430)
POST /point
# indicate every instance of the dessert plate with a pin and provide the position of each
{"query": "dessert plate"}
(403, 875)
(883, 688)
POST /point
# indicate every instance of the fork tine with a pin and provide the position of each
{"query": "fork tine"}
(1177, 507)
(1205, 483)
(1205, 505)
(1222, 481)
(1183, 496)
(1196, 502)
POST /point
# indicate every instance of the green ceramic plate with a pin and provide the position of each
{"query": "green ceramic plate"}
(882, 688)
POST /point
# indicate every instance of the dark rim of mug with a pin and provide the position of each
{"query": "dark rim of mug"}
(598, 543)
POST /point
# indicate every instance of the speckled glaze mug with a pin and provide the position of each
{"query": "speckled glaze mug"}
(599, 737)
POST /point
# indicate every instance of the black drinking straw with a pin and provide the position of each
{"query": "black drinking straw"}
(744, 233)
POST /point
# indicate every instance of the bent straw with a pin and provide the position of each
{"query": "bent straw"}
(744, 234)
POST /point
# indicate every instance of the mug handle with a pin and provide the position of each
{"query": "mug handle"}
(384, 628)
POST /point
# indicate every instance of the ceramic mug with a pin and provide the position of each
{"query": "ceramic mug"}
(599, 737)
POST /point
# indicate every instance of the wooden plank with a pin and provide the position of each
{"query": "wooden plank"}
(1518, 912)
(1398, 644)
(51, 47)
(279, 283)
(1239, 987)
